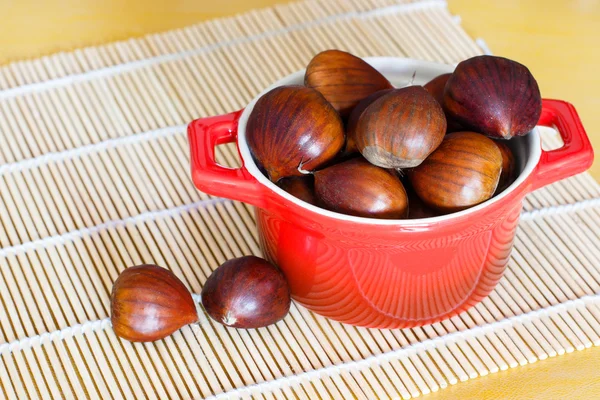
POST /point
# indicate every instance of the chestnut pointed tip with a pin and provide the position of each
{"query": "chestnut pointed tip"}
(228, 319)
(506, 135)
(301, 167)
(274, 176)
(193, 317)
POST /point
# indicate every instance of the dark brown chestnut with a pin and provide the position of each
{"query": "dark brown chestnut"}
(302, 187)
(149, 303)
(293, 129)
(416, 207)
(493, 95)
(436, 87)
(508, 174)
(462, 172)
(246, 292)
(357, 187)
(401, 128)
(354, 117)
(343, 79)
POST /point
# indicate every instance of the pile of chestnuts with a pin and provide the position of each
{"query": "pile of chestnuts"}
(349, 142)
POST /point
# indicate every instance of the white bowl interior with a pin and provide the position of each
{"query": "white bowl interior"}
(399, 71)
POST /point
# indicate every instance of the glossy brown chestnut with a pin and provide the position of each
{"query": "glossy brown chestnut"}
(302, 187)
(401, 128)
(354, 117)
(357, 187)
(509, 167)
(343, 79)
(246, 292)
(293, 128)
(436, 87)
(149, 303)
(493, 95)
(462, 172)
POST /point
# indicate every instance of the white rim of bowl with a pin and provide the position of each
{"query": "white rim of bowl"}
(390, 67)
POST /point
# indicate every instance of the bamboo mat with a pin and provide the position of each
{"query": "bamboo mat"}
(94, 177)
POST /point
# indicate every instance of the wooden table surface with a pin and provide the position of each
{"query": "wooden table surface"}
(556, 39)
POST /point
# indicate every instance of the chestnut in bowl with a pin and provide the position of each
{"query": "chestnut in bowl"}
(293, 129)
(401, 128)
(464, 171)
(343, 79)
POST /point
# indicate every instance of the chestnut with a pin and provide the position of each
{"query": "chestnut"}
(293, 129)
(246, 292)
(416, 207)
(357, 187)
(149, 303)
(302, 187)
(462, 172)
(343, 79)
(354, 117)
(401, 128)
(436, 87)
(494, 96)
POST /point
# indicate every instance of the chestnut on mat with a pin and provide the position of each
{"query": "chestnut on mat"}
(462, 172)
(357, 187)
(343, 79)
(149, 303)
(246, 292)
(293, 129)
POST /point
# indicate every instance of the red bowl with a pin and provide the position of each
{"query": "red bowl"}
(387, 273)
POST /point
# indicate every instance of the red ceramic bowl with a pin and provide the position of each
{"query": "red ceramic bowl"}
(387, 273)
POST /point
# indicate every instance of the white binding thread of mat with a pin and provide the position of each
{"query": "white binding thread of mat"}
(87, 231)
(133, 65)
(560, 209)
(91, 148)
(335, 369)
(174, 211)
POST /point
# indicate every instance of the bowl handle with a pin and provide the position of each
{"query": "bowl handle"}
(575, 156)
(204, 135)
